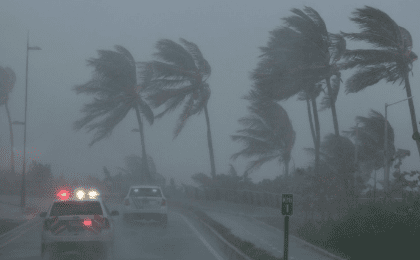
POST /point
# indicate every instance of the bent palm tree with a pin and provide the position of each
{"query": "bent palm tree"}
(182, 76)
(7, 82)
(392, 59)
(268, 134)
(117, 92)
(297, 58)
(323, 50)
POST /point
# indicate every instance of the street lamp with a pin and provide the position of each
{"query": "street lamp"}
(22, 196)
(386, 172)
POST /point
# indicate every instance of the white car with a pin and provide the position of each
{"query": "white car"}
(78, 222)
(145, 202)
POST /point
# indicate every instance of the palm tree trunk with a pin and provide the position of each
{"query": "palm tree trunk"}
(311, 123)
(412, 111)
(318, 135)
(12, 158)
(334, 112)
(210, 143)
(286, 166)
(374, 189)
(143, 147)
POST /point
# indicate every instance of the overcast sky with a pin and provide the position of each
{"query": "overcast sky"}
(228, 34)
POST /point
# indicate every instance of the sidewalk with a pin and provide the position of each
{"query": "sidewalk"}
(242, 221)
(10, 207)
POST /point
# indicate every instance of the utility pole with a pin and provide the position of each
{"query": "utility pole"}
(23, 192)
(386, 160)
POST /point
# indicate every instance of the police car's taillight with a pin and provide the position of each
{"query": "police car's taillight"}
(127, 202)
(163, 202)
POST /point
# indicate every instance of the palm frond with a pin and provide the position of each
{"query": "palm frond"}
(366, 77)
(186, 113)
(338, 46)
(371, 57)
(106, 126)
(175, 54)
(202, 64)
(378, 28)
(256, 164)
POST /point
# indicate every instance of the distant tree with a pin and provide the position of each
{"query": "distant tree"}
(370, 141)
(135, 171)
(107, 174)
(117, 92)
(7, 82)
(41, 176)
(337, 159)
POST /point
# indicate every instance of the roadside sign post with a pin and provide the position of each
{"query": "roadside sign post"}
(286, 210)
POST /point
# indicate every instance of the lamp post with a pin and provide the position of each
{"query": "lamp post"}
(22, 196)
(386, 172)
(355, 159)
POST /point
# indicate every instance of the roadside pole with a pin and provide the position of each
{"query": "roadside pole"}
(286, 210)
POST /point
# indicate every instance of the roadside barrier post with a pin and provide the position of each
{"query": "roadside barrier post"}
(286, 210)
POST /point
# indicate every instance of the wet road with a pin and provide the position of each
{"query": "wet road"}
(181, 239)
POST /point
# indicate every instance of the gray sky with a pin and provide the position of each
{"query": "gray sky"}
(228, 34)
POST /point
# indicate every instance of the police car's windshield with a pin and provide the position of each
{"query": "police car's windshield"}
(68, 208)
(145, 192)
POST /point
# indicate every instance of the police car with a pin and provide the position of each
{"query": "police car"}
(145, 202)
(78, 222)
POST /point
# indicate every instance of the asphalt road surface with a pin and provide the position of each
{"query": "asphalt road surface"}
(181, 239)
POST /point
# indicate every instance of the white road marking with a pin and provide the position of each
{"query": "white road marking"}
(20, 234)
(209, 247)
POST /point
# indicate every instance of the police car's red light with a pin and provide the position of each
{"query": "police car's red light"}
(87, 222)
(63, 194)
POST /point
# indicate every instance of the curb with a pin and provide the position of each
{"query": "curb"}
(230, 250)
(233, 250)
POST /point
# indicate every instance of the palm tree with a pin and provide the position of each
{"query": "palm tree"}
(371, 141)
(268, 134)
(7, 82)
(114, 83)
(392, 59)
(180, 76)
